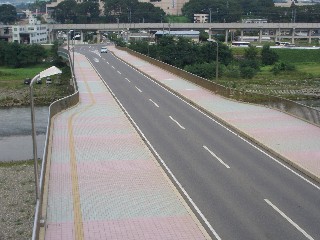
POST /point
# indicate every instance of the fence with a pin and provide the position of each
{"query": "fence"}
(54, 108)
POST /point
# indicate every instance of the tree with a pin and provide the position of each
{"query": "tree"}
(39, 6)
(119, 9)
(87, 10)
(65, 11)
(251, 53)
(268, 56)
(146, 12)
(8, 13)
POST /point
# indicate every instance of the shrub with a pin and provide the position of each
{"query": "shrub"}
(282, 67)
(247, 72)
(268, 56)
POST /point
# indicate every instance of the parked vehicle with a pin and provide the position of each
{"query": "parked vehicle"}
(48, 80)
(27, 81)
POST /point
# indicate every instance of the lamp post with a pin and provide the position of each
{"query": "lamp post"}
(217, 57)
(46, 73)
(73, 45)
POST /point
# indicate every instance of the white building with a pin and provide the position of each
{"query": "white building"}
(201, 18)
(32, 33)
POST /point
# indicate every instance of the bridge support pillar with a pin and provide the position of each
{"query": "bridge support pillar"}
(98, 36)
(278, 33)
(241, 35)
(226, 36)
(309, 36)
(82, 35)
(260, 35)
(292, 35)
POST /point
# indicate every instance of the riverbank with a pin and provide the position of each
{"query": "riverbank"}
(14, 92)
(17, 200)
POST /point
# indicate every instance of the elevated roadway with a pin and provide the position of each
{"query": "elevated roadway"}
(277, 29)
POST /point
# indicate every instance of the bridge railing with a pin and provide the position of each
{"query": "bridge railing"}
(54, 108)
(298, 110)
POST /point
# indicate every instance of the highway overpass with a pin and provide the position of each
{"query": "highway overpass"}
(277, 31)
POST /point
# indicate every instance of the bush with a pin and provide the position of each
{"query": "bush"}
(247, 72)
(268, 56)
(282, 67)
(205, 70)
(232, 71)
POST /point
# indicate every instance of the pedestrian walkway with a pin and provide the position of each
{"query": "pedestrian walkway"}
(104, 183)
(294, 140)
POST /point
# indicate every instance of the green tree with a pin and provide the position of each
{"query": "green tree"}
(39, 6)
(251, 53)
(205, 70)
(268, 56)
(8, 13)
(19, 55)
(87, 11)
(119, 9)
(146, 12)
(66, 11)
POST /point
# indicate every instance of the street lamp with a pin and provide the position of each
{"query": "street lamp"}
(73, 44)
(46, 73)
(217, 57)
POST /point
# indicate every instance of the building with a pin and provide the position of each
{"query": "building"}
(193, 35)
(5, 33)
(31, 33)
(201, 18)
(171, 7)
(254, 20)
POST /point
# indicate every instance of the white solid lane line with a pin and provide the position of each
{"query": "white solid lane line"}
(138, 89)
(215, 156)
(177, 122)
(289, 220)
(127, 79)
(153, 102)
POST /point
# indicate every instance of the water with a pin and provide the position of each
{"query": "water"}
(15, 132)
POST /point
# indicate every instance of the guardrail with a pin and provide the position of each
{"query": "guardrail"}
(301, 111)
(54, 108)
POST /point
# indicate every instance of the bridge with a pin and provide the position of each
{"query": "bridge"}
(277, 31)
(146, 154)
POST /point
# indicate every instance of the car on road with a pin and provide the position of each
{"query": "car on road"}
(104, 50)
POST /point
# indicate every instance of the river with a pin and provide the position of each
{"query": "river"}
(15, 132)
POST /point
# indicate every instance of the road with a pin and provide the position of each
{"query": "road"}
(241, 191)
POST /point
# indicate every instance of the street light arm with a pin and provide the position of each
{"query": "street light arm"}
(48, 72)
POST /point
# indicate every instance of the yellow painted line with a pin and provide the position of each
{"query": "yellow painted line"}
(78, 221)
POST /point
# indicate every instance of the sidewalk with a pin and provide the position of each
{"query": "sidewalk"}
(296, 141)
(104, 183)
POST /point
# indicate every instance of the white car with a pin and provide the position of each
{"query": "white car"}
(103, 50)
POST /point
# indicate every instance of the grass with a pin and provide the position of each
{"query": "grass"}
(15, 93)
(16, 163)
(19, 74)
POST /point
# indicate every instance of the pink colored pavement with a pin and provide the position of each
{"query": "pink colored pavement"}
(104, 183)
(296, 141)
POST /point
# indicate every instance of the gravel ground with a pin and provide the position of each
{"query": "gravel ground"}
(17, 200)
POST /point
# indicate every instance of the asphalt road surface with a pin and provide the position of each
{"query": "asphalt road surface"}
(240, 190)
